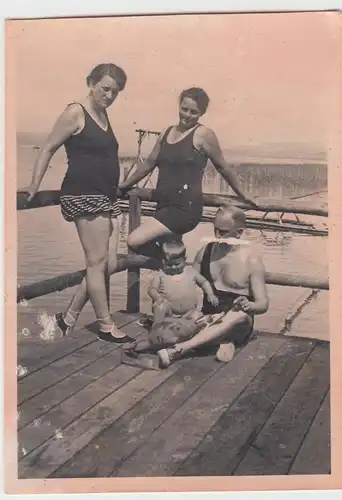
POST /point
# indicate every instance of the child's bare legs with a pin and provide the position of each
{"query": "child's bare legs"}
(161, 309)
(170, 332)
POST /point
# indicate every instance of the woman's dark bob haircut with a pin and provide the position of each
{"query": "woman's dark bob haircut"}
(110, 69)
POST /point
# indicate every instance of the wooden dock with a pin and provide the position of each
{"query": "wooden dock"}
(82, 413)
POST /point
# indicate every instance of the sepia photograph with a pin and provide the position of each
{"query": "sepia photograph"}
(172, 280)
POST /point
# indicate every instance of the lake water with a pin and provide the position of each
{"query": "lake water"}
(48, 246)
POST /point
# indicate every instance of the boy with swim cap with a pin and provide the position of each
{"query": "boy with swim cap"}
(237, 276)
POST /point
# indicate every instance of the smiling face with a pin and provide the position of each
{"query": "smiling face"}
(104, 92)
(189, 113)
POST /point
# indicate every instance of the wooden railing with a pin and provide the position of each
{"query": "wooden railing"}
(49, 198)
(133, 263)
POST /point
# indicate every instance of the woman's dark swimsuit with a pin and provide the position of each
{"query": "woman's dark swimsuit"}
(179, 186)
(226, 300)
(90, 184)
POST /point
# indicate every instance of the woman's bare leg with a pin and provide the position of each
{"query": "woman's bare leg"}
(94, 234)
(144, 240)
(81, 296)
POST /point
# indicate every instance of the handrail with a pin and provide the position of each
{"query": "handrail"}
(47, 198)
(133, 263)
(129, 261)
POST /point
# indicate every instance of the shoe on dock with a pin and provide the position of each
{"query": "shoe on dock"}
(62, 325)
(108, 337)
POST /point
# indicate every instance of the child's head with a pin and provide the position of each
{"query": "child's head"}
(230, 222)
(173, 255)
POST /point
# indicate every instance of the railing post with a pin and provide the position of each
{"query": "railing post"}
(133, 276)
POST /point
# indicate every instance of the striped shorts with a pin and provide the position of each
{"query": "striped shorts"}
(73, 207)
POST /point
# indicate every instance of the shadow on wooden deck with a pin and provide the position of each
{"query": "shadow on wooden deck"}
(82, 413)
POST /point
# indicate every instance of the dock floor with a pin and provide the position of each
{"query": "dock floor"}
(82, 413)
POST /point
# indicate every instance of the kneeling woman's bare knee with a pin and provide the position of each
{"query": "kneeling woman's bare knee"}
(132, 243)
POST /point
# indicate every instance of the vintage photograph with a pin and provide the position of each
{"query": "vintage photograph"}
(172, 231)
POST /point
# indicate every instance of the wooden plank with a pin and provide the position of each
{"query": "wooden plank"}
(133, 275)
(314, 456)
(129, 432)
(40, 404)
(50, 397)
(173, 441)
(45, 459)
(34, 359)
(228, 440)
(275, 447)
(59, 417)
(65, 366)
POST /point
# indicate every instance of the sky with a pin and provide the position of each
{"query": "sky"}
(269, 76)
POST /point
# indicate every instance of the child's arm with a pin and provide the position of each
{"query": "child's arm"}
(203, 283)
(154, 288)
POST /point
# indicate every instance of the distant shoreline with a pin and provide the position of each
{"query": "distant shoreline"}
(276, 153)
(235, 159)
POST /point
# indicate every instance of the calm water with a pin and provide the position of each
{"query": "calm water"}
(49, 246)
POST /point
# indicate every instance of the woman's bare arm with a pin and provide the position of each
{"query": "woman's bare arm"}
(145, 167)
(209, 143)
(66, 125)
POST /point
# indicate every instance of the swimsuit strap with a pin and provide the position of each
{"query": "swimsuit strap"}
(167, 131)
(205, 264)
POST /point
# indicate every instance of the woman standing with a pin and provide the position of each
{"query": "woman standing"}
(89, 189)
(181, 153)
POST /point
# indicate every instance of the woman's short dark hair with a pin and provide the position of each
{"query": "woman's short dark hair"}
(110, 69)
(198, 95)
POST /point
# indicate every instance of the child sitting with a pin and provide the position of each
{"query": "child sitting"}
(173, 291)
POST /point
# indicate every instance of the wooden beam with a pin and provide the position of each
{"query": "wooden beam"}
(133, 275)
(50, 198)
(59, 283)
(260, 223)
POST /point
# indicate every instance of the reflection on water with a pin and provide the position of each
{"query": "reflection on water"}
(49, 246)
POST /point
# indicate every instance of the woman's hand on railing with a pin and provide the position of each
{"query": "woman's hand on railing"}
(251, 201)
(30, 191)
(121, 191)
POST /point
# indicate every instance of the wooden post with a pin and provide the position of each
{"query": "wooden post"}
(133, 275)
